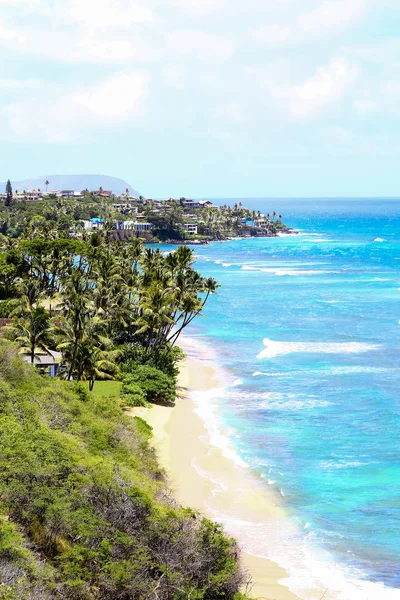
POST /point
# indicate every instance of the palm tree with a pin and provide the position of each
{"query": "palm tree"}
(32, 332)
(77, 313)
(94, 363)
(47, 183)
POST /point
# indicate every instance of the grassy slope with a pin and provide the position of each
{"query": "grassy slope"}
(107, 389)
(84, 510)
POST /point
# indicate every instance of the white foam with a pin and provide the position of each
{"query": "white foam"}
(345, 464)
(275, 348)
(379, 240)
(206, 409)
(219, 486)
(318, 240)
(312, 572)
(226, 265)
(258, 373)
(237, 382)
(289, 272)
(291, 402)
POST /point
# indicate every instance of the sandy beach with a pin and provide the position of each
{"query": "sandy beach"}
(201, 476)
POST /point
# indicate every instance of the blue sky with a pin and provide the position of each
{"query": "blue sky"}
(215, 98)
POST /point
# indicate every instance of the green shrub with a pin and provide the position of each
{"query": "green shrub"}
(156, 386)
(87, 515)
(131, 393)
(81, 391)
(167, 360)
(6, 308)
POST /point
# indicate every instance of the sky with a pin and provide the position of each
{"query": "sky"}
(212, 98)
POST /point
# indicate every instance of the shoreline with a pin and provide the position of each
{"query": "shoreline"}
(195, 242)
(202, 476)
(205, 473)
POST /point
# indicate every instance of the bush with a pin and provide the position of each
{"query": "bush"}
(81, 391)
(84, 511)
(131, 393)
(6, 308)
(165, 360)
(156, 386)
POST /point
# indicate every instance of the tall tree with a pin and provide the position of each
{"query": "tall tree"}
(32, 332)
(9, 193)
(46, 183)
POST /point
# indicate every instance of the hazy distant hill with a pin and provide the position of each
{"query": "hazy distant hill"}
(73, 182)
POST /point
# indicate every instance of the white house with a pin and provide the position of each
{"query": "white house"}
(143, 227)
(190, 228)
(206, 204)
(133, 226)
(66, 194)
(93, 224)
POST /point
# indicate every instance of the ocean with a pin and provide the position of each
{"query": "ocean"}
(307, 329)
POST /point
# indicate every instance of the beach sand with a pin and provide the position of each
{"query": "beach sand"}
(202, 477)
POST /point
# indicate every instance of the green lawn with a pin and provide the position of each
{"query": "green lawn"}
(110, 389)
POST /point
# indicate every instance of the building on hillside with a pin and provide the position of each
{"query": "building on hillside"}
(261, 222)
(133, 226)
(125, 207)
(141, 227)
(66, 194)
(188, 203)
(206, 204)
(33, 196)
(190, 228)
(102, 193)
(93, 225)
(48, 364)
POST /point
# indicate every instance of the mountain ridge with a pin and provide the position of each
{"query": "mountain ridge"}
(74, 182)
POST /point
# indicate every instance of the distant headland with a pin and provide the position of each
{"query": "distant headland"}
(84, 209)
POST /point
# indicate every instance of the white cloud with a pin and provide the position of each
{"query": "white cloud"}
(324, 88)
(273, 35)
(200, 45)
(106, 13)
(59, 114)
(365, 106)
(96, 49)
(16, 84)
(329, 16)
(198, 7)
(116, 98)
(327, 86)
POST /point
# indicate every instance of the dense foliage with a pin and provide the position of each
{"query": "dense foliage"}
(84, 511)
(99, 301)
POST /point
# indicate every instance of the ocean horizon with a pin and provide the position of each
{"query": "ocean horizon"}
(306, 329)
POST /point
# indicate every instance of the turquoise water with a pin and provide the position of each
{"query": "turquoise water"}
(308, 327)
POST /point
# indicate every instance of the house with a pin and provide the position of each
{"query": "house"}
(93, 224)
(102, 193)
(124, 225)
(133, 226)
(48, 364)
(124, 207)
(33, 196)
(206, 204)
(141, 227)
(261, 222)
(188, 203)
(190, 228)
(66, 194)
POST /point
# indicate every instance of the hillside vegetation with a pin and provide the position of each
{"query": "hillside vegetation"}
(84, 510)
